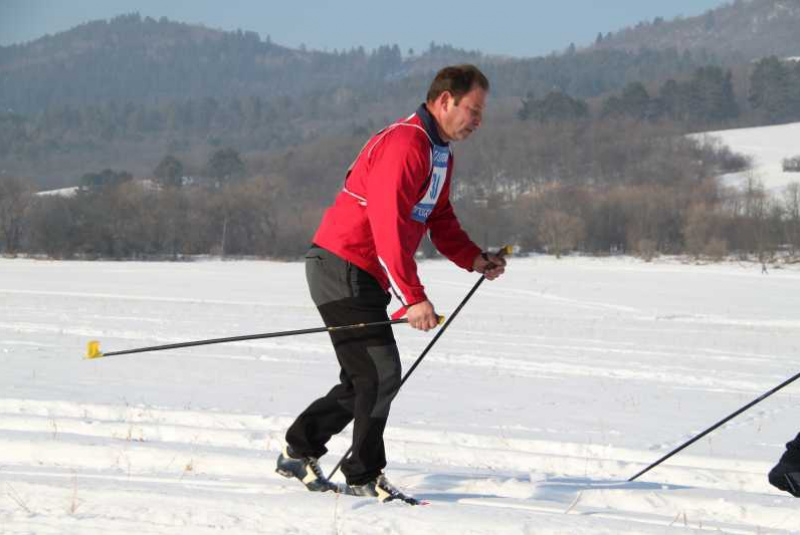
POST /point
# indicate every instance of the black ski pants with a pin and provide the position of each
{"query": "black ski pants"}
(370, 367)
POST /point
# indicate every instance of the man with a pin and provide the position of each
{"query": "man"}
(396, 189)
(786, 474)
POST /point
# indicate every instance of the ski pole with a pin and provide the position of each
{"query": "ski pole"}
(93, 350)
(718, 424)
(502, 252)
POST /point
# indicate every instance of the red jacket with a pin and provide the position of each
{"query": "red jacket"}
(397, 188)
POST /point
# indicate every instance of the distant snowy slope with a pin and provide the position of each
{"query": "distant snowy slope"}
(61, 192)
(768, 146)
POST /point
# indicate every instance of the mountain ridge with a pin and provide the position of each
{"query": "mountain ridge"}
(742, 30)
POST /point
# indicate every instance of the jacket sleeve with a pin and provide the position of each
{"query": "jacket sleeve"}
(399, 168)
(447, 235)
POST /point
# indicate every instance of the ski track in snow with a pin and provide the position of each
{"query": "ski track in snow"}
(63, 445)
(528, 417)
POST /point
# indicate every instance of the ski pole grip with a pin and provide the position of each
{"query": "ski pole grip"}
(441, 320)
(506, 249)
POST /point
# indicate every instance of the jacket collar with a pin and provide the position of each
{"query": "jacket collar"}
(429, 123)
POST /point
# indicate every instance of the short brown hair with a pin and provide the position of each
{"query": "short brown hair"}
(458, 80)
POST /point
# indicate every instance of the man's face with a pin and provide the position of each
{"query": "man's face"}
(460, 120)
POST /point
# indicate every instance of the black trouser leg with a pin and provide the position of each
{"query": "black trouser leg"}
(370, 367)
(786, 474)
(794, 444)
(322, 419)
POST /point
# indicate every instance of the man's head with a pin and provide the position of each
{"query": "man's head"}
(456, 100)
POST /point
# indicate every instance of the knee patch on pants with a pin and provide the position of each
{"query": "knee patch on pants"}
(387, 364)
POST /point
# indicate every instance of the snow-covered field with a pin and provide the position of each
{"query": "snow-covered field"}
(555, 385)
(768, 146)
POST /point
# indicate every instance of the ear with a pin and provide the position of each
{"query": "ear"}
(445, 100)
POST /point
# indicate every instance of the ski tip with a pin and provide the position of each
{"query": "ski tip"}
(410, 500)
(93, 350)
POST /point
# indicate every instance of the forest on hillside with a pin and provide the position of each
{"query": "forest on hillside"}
(611, 186)
(581, 151)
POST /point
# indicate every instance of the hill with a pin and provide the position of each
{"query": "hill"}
(122, 93)
(130, 59)
(135, 59)
(599, 134)
(742, 30)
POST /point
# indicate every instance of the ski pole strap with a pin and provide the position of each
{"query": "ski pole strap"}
(400, 312)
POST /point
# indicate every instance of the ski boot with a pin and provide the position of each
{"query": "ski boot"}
(306, 469)
(383, 490)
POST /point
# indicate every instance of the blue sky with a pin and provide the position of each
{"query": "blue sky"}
(512, 27)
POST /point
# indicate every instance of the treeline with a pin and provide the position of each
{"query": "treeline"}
(266, 123)
(594, 158)
(134, 219)
(62, 138)
(592, 73)
(143, 60)
(775, 90)
(749, 29)
(705, 99)
(614, 186)
(702, 219)
(224, 206)
(147, 61)
(602, 187)
(139, 88)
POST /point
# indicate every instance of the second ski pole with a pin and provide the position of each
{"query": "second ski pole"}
(728, 418)
(93, 351)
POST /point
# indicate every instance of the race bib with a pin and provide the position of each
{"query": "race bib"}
(425, 206)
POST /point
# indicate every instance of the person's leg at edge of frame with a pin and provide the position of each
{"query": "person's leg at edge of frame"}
(786, 474)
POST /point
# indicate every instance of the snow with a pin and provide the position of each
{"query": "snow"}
(62, 192)
(554, 385)
(768, 146)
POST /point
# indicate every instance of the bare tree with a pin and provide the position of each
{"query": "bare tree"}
(757, 208)
(51, 226)
(16, 194)
(792, 211)
(560, 231)
(698, 229)
(169, 172)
